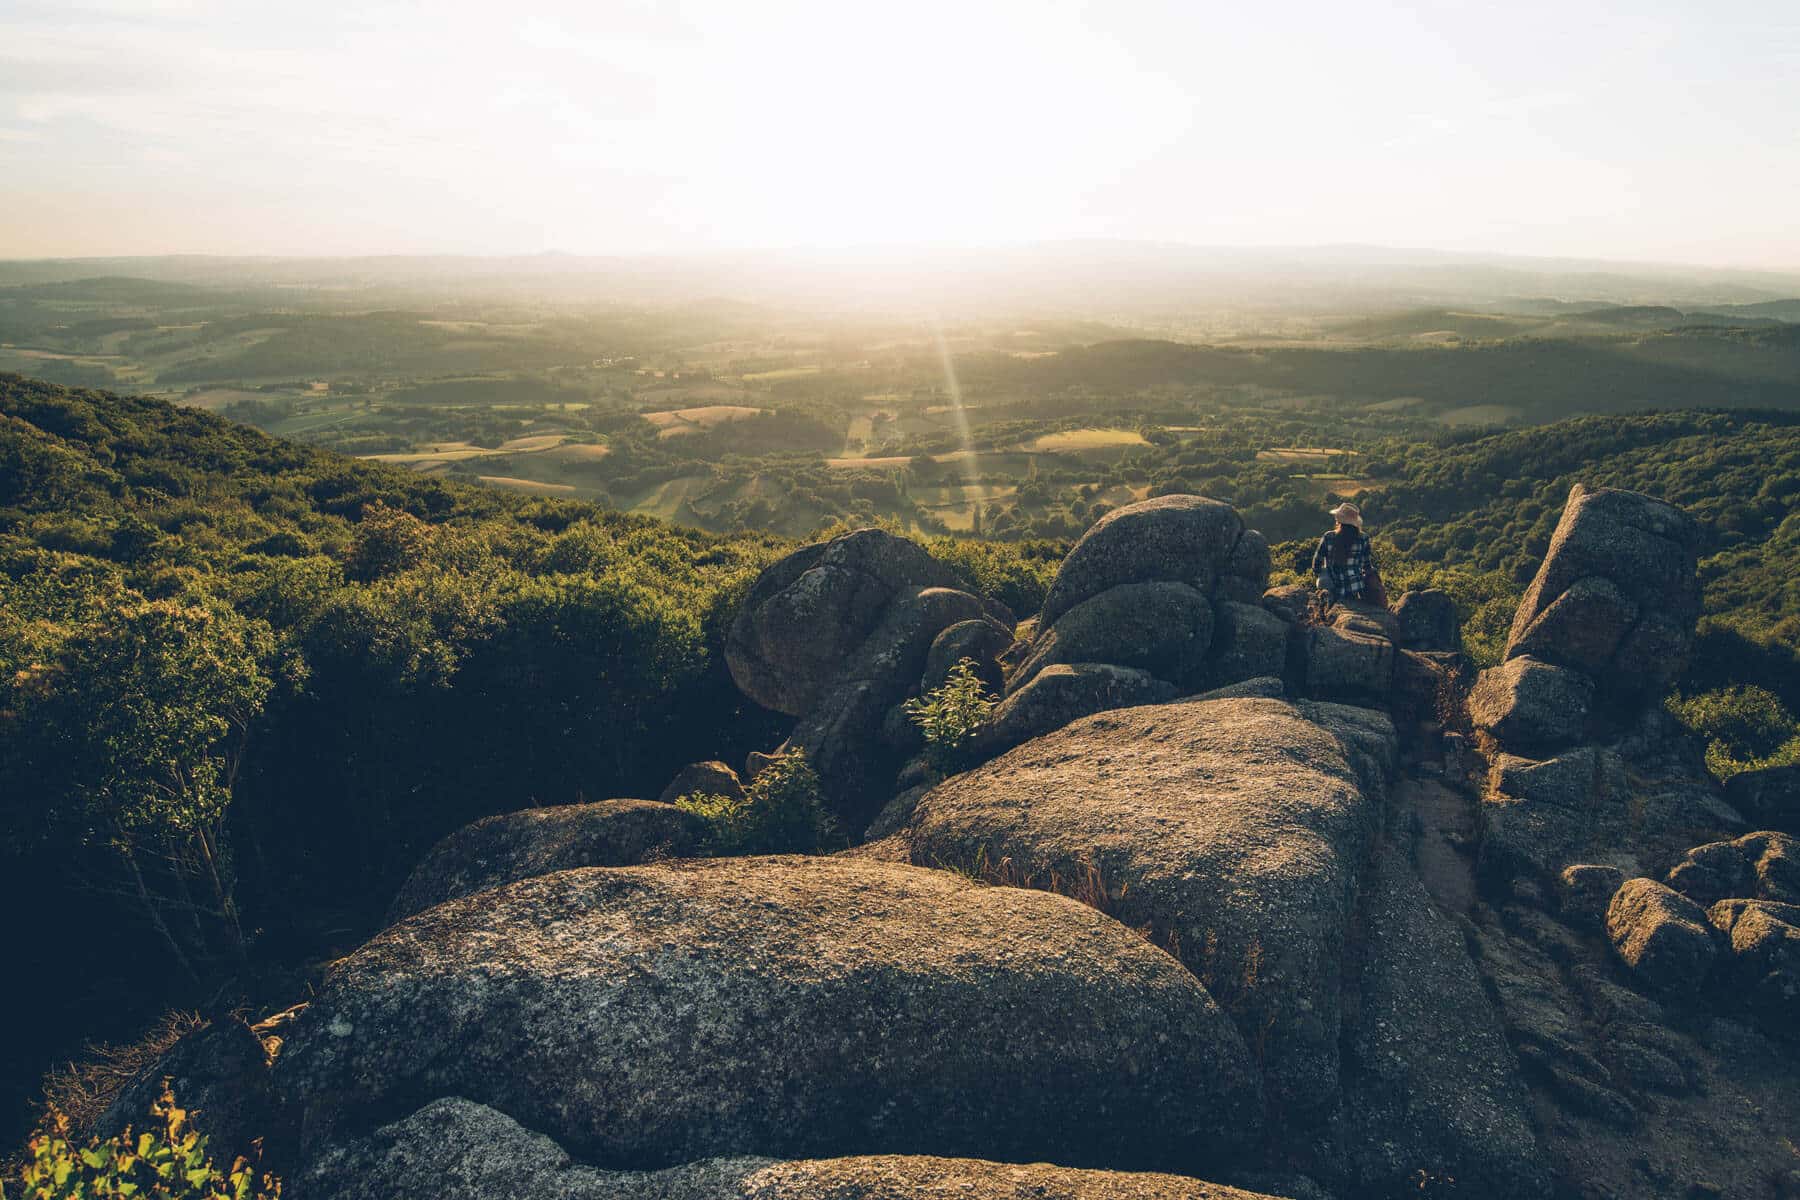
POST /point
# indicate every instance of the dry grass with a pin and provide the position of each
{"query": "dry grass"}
(83, 1091)
(535, 486)
(1075, 441)
(681, 421)
(579, 452)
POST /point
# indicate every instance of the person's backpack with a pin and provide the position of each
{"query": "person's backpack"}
(1374, 591)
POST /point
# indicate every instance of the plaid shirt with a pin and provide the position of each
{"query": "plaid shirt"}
(1348, 581)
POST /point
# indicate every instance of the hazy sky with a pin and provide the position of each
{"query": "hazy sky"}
(1627, 129)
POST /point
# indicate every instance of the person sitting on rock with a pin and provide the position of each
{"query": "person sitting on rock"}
(1344, 563)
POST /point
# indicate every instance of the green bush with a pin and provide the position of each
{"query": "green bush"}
(950, 715)
(168, 1162)
(1746, 728)
(1017, 574)
(782, 812)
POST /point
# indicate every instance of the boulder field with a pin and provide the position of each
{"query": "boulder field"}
(1220, 905)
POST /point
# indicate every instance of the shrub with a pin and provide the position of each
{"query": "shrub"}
(1746, 728)
(169, 1162)
(1018, 574)
(950, 715)
(782, 812)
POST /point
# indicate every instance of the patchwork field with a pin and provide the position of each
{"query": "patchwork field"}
(676, 422)
(528, 485)
(1081, 441)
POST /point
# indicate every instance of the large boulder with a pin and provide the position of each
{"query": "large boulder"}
(454, 1149)
(1348, 662)
(1526, 703)
(536, 841)
(842, 735)
(1232, 830)
(1661, 935)
(1764, 942)
(1758, 866)
(807, 614)
(982, 641)
(1160, 627)
(1249, 642)
(1710, 873)
(1291, 602)
(1431, 1088)
(1774, 859)
(1540, 816)
(219, 1072)
(1183, 539)
(1428, 621)
(1617, 595)
(650, 1016)
(1063, 693)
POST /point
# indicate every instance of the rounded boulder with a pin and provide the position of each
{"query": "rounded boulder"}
(809, 613)
(649, 1016)
(536, 841)
(1184, 539)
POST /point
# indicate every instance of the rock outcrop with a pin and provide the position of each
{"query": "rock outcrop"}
(791, 1007)
(1170, 586)
(1233, 830)
(1586, 766)
(838, 634)
(511, 846)
(1161, 627)
(1067, 692)
(1432, 1090)
(476, 1153)
(1182, 539)
(1661, 935)
(1428, 620)
(1292, 944)
(806, 615)
(1762, 939)
(1617, 595)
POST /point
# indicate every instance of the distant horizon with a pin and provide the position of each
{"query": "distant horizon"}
(803, 252)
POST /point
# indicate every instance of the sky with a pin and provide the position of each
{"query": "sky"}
(1661, 130)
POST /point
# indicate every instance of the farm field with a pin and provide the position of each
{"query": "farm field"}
(736, 416)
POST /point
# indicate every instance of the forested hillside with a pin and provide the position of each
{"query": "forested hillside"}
(245, 683)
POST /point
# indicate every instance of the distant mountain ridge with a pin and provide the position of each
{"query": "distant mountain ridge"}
(1044, 277)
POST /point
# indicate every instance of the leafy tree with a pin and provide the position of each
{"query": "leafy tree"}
(132, 724)
(388, 541)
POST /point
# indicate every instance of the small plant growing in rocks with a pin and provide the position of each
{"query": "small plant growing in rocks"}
(782, 812)
(950, 715)
(169, 1161)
